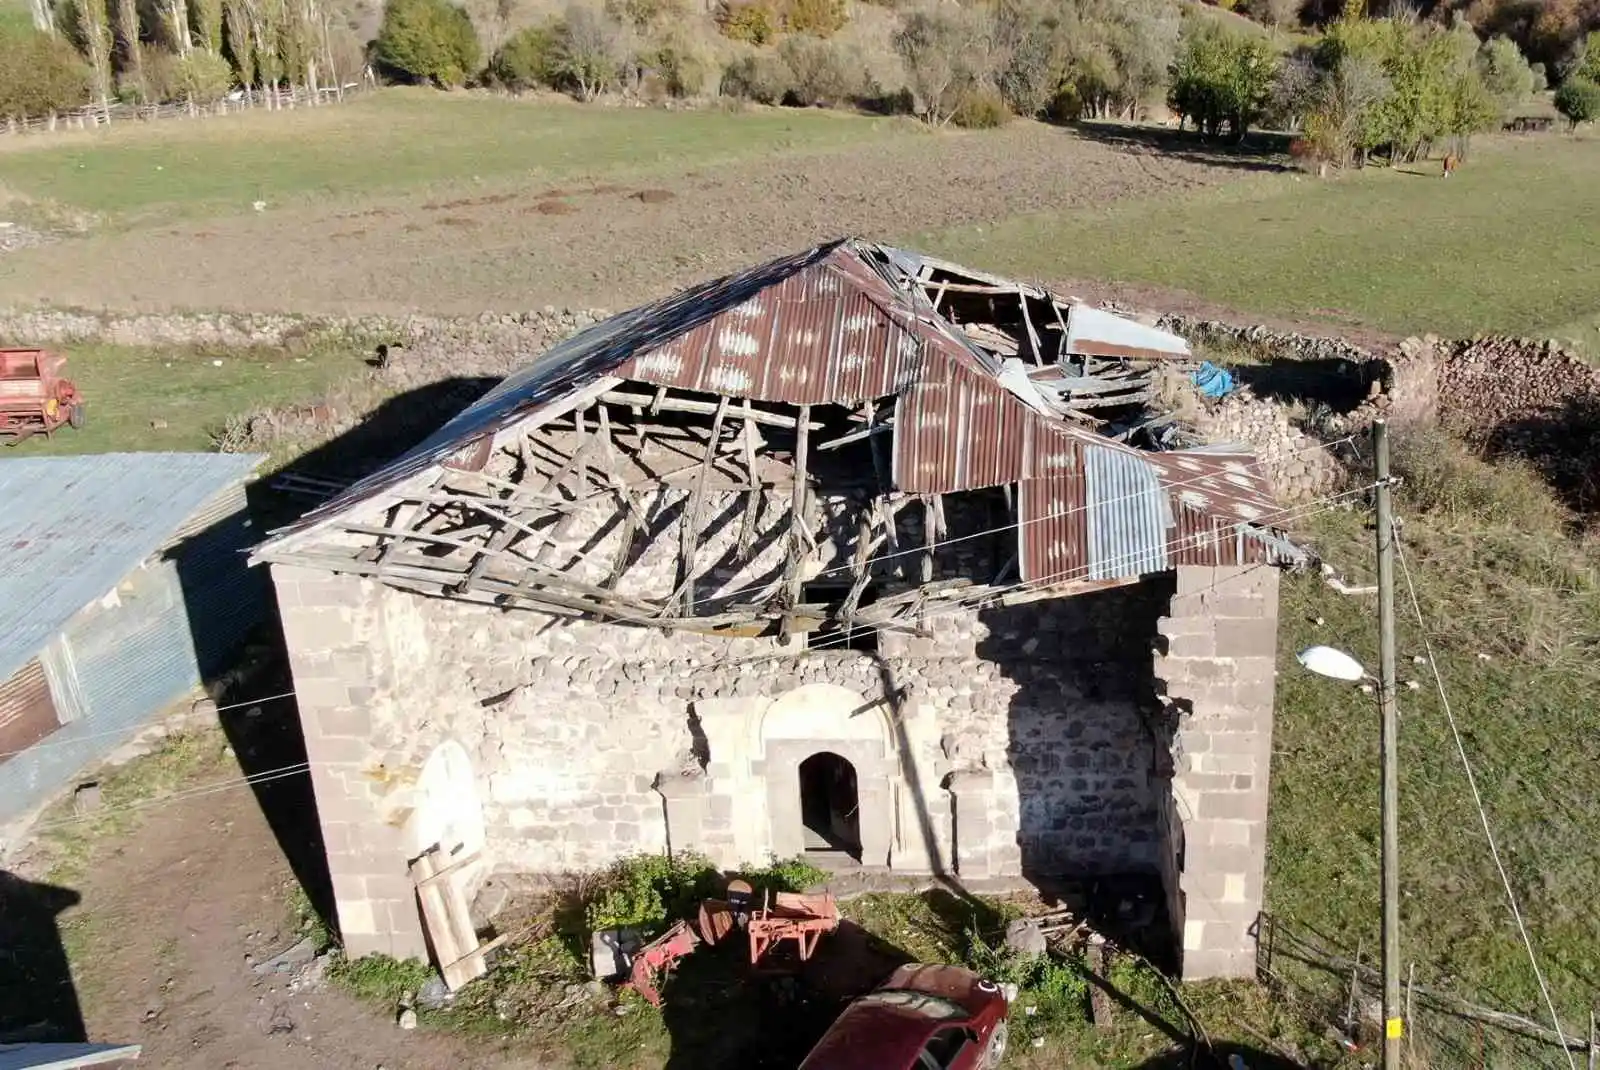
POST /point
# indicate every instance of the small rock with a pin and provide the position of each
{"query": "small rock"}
(1025, 938)
(216, 364)
(433, 994)
(158, 425)
(1412, 685)
(1038, 1042)
(408, 1019)
(299, 954)
(87, 798)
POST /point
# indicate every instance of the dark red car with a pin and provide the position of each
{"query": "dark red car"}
(921, 1018)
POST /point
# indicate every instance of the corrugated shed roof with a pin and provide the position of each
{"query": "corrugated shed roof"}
(72, 527)
(63, 1056)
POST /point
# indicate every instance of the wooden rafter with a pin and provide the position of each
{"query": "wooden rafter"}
(798, 537)
(690, 525)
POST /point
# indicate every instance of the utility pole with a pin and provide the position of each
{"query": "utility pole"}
(1393, 1022)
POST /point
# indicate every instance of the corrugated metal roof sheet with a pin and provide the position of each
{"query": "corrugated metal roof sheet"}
(71, 527)
(63, 1056)
(840, 324)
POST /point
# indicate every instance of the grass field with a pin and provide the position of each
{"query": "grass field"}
(1512, 604)
(1510, 593)
(395, 140)
(178, 399)
(1509, 246)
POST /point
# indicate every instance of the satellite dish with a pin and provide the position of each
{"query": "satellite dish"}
(1327, 661)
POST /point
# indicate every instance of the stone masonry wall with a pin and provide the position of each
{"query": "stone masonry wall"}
(572, 726)
(1217, 673)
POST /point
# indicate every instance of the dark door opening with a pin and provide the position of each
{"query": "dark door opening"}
(830, 805)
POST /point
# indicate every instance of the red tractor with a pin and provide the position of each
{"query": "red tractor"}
(33, 395)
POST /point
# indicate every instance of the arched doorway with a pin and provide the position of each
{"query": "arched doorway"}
(830, 805)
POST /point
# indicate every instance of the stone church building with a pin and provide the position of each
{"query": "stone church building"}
(855, 554)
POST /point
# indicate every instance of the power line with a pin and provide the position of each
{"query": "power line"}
(1316, 507)
(1477, 797)
(876, 558)
(263, 777)
(128, 731)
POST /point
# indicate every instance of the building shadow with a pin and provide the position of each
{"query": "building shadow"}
(38, 1002)
(1563, 446)
(232, 618)
(1219, 1057)
(723, 1014)
(1260, 151)
(1082, 746)
(1336, 382)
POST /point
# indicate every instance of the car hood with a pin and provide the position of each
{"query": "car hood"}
(952, 982)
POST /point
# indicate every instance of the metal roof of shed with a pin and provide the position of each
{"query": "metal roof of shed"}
(72, 527)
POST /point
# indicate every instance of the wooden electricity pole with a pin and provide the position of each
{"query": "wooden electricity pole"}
(1393, 1021)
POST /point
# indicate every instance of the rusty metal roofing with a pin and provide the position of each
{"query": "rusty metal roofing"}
(844, 323)
(72, 527)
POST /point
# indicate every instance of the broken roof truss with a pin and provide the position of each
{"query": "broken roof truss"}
(907, 430)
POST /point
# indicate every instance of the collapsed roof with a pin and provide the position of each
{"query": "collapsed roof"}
(933, 379)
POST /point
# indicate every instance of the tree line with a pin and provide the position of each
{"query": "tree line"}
(81, 52)
(1398, 86)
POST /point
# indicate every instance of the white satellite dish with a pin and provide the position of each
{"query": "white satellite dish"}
(1336, 664)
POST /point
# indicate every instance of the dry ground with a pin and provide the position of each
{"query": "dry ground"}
(594, 241)
(173, 912)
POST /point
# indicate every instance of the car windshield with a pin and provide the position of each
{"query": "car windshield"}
(935, 1007)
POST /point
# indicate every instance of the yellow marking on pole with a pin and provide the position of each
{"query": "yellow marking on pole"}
(1395, 1028)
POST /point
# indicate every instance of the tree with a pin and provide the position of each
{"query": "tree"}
(39, 74)
(592, 49)
(44, 16)
(1506, 74)
(1032, 48)
(1579, 100)
(1119, 52)
(428, 41)
(945, 52)
(1341, 123)
(1221, 77)
(127, 36)
(94, 33)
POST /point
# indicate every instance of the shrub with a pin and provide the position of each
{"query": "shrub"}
(529, 58)
(202, 77)
(683, 69)
(648, 890)
(981, 108)
(591, 50)
(822, 72)
(427, 41)
(39, 74)
(820, 18)
(1030, 37)
(763, 78)
(1579, 100)
(754, 22)
(643, 14)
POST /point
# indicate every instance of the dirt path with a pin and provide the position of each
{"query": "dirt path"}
(596, 245)
(159, 942)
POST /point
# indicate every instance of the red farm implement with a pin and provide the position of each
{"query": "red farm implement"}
(34, 397)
